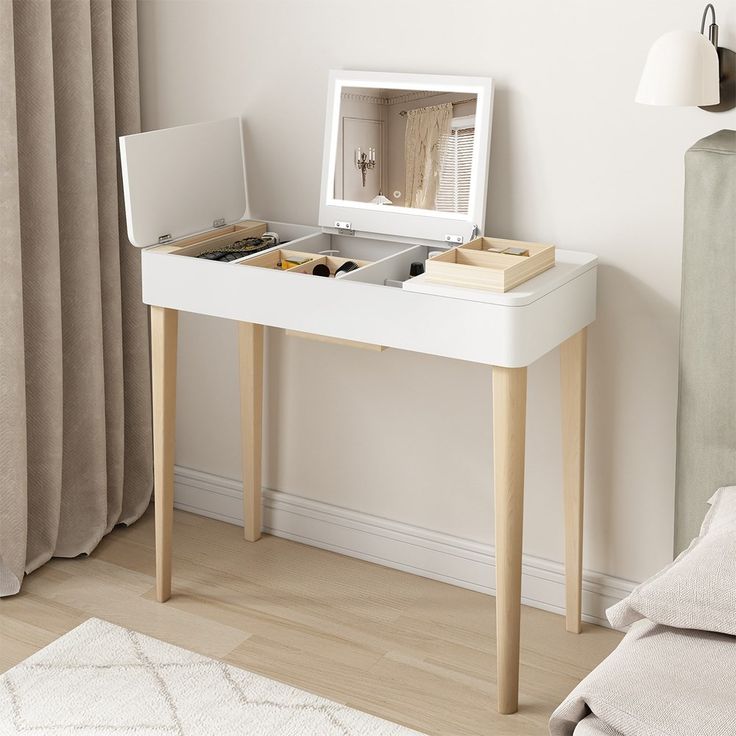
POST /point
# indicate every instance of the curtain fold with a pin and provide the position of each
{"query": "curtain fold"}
(426, 129)
(75, 427)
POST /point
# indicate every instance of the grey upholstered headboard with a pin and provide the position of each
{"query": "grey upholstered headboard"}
(706, 416)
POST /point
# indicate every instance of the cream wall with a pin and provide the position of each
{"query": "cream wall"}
(574, 162)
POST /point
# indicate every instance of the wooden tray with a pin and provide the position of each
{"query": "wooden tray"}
(474, 265)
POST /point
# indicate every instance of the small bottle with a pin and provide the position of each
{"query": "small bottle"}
(271, 239)
(416, 269)
(346, 267)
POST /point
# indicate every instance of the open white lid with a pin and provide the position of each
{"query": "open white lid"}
(378, 105)
(182, 181)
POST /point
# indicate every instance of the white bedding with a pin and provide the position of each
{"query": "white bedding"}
(591, 725)
(675, 671)
(698, 589)
(658, 681)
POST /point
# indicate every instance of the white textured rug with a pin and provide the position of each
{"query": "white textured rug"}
(100, 679)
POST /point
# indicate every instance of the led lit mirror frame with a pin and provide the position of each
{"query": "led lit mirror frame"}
(395, 220)
(405, 148)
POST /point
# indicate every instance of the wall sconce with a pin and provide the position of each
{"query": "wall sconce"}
(365, 161)
(686, 68)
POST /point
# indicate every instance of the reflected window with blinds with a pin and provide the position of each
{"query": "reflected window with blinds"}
(453, 193)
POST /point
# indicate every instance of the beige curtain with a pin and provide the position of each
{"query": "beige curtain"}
(426, 128)
(75, 414)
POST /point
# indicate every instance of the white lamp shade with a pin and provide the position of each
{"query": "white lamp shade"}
(681, 69)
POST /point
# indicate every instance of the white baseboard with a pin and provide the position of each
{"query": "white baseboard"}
(454, 560)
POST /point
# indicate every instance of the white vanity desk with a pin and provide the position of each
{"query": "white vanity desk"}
(507, 331)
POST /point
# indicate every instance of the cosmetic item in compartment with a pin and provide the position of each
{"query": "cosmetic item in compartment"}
(323, 269)
(272, 238)
(288, 262)
(346, 268)
(241, 248)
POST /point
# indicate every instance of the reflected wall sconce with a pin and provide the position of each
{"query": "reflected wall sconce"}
(365, 161)
(687, 68)
(381, 198)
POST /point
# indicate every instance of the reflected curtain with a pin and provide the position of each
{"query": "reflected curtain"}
(426, 128)
(75, 412)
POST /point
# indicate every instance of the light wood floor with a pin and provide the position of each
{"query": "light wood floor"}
(414, 651)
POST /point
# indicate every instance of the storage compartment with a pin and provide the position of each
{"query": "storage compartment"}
(309, 248)
(221, 238)
(327, 266)
(395, 269)
(483, 264)
(281, 259)
(227, 238)
(333, 251)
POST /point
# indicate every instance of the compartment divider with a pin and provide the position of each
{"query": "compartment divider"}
(394, 267)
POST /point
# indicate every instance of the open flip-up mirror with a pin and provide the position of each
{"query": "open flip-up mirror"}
(406, 155)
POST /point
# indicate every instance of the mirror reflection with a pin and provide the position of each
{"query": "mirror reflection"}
(407, 148)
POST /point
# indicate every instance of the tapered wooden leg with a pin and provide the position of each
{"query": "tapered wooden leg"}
(509, 431)
(251, 417)
(164, 328)
(573, 359)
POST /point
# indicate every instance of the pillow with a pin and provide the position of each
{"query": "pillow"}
(698, 589)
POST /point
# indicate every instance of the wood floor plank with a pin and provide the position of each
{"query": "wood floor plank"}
(118, 605)
(19, 639)
(411, 650)
(315, 636)
(360, 588)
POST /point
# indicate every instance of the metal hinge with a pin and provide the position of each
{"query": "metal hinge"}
(219, 222)
(164, 238)
(344, 227)
(454, 239)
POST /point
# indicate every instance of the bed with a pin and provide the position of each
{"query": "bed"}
(675, 670)
(659, 680)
